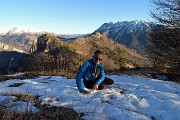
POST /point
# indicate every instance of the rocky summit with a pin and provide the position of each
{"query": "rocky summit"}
(132, 34)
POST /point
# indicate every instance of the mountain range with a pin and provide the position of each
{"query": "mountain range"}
(23, 37)
(133, 34)
(131, 37)
(19, 37)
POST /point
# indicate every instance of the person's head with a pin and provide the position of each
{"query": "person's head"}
(97, 57)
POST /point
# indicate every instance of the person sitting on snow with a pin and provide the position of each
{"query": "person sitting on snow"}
(93, 75)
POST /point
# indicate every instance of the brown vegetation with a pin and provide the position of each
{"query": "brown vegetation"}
(52, 55)
(45, 112)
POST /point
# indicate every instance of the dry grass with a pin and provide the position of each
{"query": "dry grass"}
(45, 112)
(50, 113)
(24, 75)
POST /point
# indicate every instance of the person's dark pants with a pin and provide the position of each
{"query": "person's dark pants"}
(90, 84)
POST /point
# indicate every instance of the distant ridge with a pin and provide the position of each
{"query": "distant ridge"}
(19, 37)
(5, 47)
(133, 34)
(19, 30)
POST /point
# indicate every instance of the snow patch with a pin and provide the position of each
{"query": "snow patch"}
(143, 98)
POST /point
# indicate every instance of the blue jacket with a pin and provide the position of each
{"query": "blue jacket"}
(90, 71)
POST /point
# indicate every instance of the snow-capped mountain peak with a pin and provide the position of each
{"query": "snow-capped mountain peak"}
(18, 30)
(132, 34)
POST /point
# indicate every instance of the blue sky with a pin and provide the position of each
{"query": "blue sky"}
(71, 16)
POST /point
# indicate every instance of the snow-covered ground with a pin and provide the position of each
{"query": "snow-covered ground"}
(144, 98)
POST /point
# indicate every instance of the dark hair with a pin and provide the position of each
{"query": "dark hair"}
(98, 52)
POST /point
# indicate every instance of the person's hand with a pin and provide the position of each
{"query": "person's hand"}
(95, 87)
(85, 92)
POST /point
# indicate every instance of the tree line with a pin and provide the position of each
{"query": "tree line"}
(60, 60)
